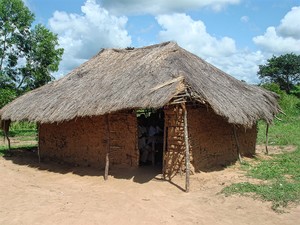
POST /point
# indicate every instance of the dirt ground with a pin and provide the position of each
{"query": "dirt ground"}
(51, 193)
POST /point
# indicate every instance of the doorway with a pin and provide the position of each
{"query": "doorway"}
(150, 137)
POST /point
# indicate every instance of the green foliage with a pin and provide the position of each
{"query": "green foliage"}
(22, 129)
(283, 70)
(273, 87)
(15, 21)
(43, 59)
(280, 175)
(296, 91)
(286, 131)
(27, 55)
(6, 96)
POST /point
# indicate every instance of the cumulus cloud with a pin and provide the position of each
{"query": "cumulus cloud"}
(221, 52)
(290, 24)
(193, 36)
(156, 7)
(82, 36)
(284, 38)
(243, 65)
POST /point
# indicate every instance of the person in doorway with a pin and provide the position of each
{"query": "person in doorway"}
(154, 132)
(144, 148)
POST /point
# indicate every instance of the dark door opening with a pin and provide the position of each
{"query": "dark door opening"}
(150, 137)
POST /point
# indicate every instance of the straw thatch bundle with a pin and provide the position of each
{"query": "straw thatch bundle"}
(149, 77)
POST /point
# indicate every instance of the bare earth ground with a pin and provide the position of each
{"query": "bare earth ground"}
(51, 193)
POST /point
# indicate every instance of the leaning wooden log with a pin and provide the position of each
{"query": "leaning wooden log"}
(187, 150)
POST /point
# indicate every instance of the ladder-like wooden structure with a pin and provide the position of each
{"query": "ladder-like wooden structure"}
(174, 155)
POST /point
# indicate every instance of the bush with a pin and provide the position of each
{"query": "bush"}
(6, 96)
(296, 91)
(273, 87)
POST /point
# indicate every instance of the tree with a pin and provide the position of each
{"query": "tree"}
(283, 70)
(42, 59)
(28, 55)
(15, 21)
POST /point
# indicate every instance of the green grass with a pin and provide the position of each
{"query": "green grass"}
(280, 175)
(21, 131)
(4, 150)
(279, 192)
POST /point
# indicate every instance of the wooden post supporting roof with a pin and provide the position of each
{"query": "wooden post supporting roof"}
(108, 148)
(39, 141)
(267, 139)
(187, 150)
(164, 149)
(5, 127)
(237, 144)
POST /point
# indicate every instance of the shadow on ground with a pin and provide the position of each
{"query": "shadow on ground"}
(29, 157)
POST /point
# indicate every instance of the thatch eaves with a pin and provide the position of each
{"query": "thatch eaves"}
(149, 77)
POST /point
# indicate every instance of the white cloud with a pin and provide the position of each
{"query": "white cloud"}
(243, 65)
(82, 36)
(193, 36)
(271, 41)
(282, 39)
(221, 52)
(156, 7)
(290, 24)
(245, 19)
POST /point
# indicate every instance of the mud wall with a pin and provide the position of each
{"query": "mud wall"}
(84, 141)
(212, 139)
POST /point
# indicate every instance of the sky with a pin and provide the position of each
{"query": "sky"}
(234, 35)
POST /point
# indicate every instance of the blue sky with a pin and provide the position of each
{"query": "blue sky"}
(234, 35)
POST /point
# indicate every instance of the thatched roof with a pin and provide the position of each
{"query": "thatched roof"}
(149, 77)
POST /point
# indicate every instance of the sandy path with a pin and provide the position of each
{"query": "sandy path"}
(60, 194)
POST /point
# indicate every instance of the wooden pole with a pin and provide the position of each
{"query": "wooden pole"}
(38, 137)
(8, 141)
(108, 148)
(187, 150)
(164, 148)
(267, 139)
(5, 127)
(237, 144)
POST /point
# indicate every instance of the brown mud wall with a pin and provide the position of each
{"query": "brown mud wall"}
(84, 141)
(211, 139)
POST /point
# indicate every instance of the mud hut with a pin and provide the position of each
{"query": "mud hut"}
(89, 116)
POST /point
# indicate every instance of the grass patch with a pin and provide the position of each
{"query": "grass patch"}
(27, 138)
(279, 192)
(22, 129)
(280, 175)
(21, 132)
(4, 150)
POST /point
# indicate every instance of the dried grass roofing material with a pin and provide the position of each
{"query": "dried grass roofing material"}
(149, 77)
